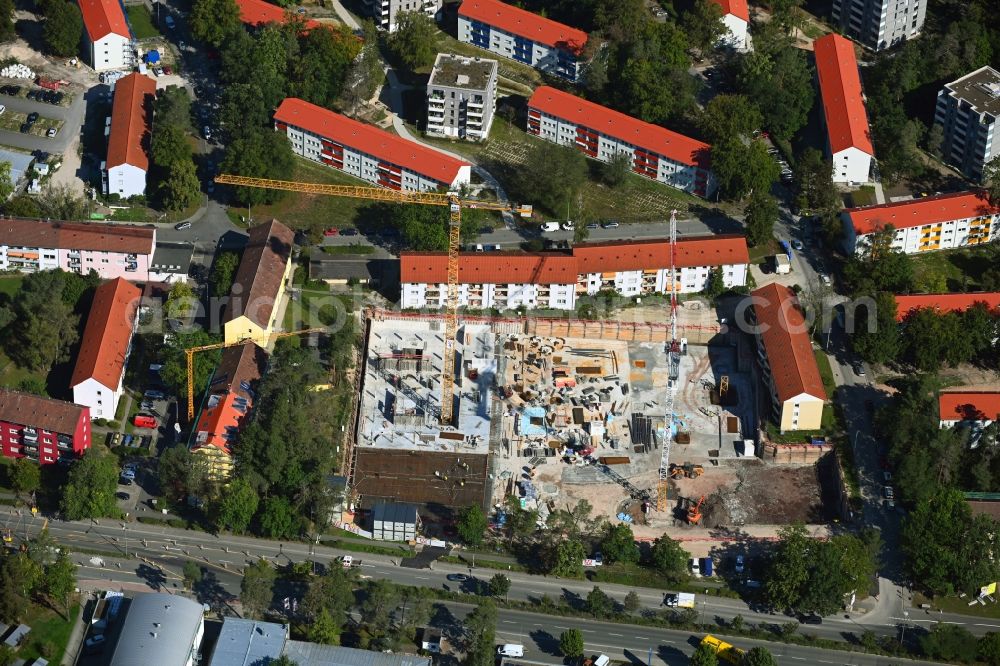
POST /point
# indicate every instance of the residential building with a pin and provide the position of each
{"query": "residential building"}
(515, 33)
(129, 136)
(736, 17)
(907, 304)
(112, 250)
(345, 269)
(786, 360)
(848, 138)
(258, 13)
(162, 629)
(970, 407)
(42, 429)
(601, 133)
(365, 151)
(108, 40)
(554, 280)
(879, 24)
(461, 97)
(922, 225)
(227, 405)
(967, 111)
(386, 12)
(171, 262)
(99, 375)
(20, 165)
(314, 654)
(259, 286)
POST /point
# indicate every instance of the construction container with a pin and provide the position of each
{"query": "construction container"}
(392, 521)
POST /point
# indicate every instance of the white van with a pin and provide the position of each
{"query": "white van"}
(602, 660)
(550, 226)
(510, 650)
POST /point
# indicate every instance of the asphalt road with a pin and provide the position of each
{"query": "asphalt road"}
(72, 117)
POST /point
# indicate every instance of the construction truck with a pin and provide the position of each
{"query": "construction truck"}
(694, 511)
(686, 470)
(724, 650)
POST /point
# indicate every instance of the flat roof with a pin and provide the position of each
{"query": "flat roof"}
(172, 258)
(314, 654)
(457, 71)
(244, 642)
(159, 629)
(980, 88)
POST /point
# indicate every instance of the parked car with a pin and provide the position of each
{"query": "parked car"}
(25, 128)
(593, 225)
(611, 224)
(825, 279)
(738, 566)
(568, 226)
(859, 369)
(550, 226)
(349, 232)
(207, 132)
(51, 133)
(695, 567)
(811, 619)
(170, 21)
(2, 109)
(457, 577)
(166, 68)
(180, 226)
(32, 117)
(123, 496)
(889, 493)
(332, 231)
(797, 244)
(94, 644)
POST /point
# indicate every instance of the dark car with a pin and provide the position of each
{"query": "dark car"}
(457, 578)
(349, 232)
(31, 94)
(25, 128)
(32, 117)
(122, 496)
(811, 619)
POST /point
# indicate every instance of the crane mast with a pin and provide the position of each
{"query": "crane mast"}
(674, 364)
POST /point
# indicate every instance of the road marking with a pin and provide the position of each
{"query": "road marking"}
(615, 635)
(561, 627)
(641, 638)
(421, 577)
(987, 625)
(509, 622)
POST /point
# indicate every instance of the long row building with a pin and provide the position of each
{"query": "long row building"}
(554, 280)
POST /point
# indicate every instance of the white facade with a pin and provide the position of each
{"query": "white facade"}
(365, 166)
(880, 24)
(542, 57)
(125, 180)
(102, 400)
(851, 165)
(967, 111)
(929, 237)
(487, 296)
(737, 33)
(110, 52)
(386, 12)
(690, 280)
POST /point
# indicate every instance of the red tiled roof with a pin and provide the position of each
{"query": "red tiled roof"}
(918, 212)
(131, 121)
(103, 17)
(786, 342)
(525, 24)
(625, 128)
(241, 366)
(738, 8)
(840, 88)
(638, 255)
(218, 421)
(35, 411)
(77, 236)
(261, 270)
(108, 334)
(258, 12)
(968, 404)
(906, 304)
(369, 139)
(489, 268)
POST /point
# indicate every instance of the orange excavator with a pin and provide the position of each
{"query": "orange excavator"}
(694, 512)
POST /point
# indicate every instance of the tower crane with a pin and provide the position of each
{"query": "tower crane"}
(455, 204)
(674, 364)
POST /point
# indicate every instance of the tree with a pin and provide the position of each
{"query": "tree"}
(619, 545)
(90, 490)
(715, 286)
(991, 179)
(759, 656)
(950, 642)
(788, 571)
(366, 73)
(761, 214)
(192, 573)
(63, 29)
(781, 84)
(169, 144)
(669, 558)
(741, 169)
(472, 525)
(257, 588)
(499, 585)
(616, 170)
(729, 117)
(174, 370)
(214, 21)
(324, 630)
(571, 643)
(568, 560)
(480, 632)
(278, 521)
(878, 266)
(46, 322)
(238, 506)
(989, 648)
(223, 272)
(704, 655)
(320, 72)
(414, 42)
(181, 188)
(552, 176)
(181, 301)
(703, 24)
(6, 185)
(380, 598)
(7, 31)
(876, 338)
(814, 180)
(262, 153)
(61, 202)
(632, 602)
(60, 579)
(25, 477)
(599, 604)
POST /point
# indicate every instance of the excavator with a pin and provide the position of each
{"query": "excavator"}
(688, 470)
(694, 512)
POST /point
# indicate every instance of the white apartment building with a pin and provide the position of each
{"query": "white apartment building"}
(365, 151)
(736, 17)
(112, 250)
(386, 12)
(975, 407)
(848, 137)
(967, 110)
(879, 24)
(461, 97)
(520, 35)
(554, 280)
(107, 37)
(923, 225)
(129, 136)
(601, 133)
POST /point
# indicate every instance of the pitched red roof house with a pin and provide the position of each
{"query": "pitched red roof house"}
(647, 254)
(907, 304)
(77, 235)
(131, 121)
(523, 23)
(231, 395)
(369, 139)
(738, 8)
(102, 18)
(639, 133)
(257, 13)
(969, 404)
(261, 270)
(786, 341)
(108, 334)
(489, 268)
(49, 414)
(918, 212)
(840, 89)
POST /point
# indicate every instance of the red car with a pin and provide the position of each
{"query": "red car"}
(331, 232)
(167, 70)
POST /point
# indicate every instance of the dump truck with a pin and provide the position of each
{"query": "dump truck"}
(724, 650)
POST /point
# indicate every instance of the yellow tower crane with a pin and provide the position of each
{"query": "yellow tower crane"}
(191, 351)
(453, 201)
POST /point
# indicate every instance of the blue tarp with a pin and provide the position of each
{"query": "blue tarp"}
(153, 57)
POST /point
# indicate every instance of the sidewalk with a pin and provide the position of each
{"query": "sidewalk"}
(76, 636)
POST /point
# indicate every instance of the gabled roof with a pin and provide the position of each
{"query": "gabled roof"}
(262, 268)
(738, 8)
(918, 212)
(258, 13)
(489, 268)
(131, 121)
(906, 304)
(241, 367)
(969, 404)
(525, 24)
(104, 17)
(786, 342)
(77, 236)
(220, 421)
(647, 136)
(369, 139)
(719, 250)
(35, 411)
(108, 334)
(840, 88)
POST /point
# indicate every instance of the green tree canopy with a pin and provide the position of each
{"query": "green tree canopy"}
(262, 153)
(729, 117)
(472, 525)
(759, 656)
(571, 643)
(499, 585)
(878, 266)
(876, 332)
(480, 632)
(257, 588)
(599, 604)
(761, 214)
(60, 579)
(44, 309)
(215, 21)
(669, 558)
(327, 53)
(814, 181)
(552, 177)
(63, 29)
(7, 31)
(25, 477)
(568, 559)
(277, 520)
(619, 544)
(703, 24)
(704, 655)
(781, 84)
(90, 490)
(414, 42)
(741, 168)
(223, 272)
(238, 506)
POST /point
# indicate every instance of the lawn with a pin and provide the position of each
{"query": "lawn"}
(957, 605)
(863, 196)
(326, 306)
(47, 626)
(10, 284)
(953, 270)
(142, 22)
(825, 371)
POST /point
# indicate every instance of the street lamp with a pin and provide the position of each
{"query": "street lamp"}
(125, 532)
(902, 634)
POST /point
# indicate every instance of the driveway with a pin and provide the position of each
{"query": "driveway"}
(72, 117)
